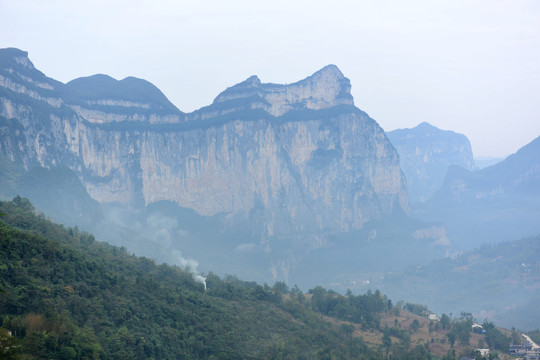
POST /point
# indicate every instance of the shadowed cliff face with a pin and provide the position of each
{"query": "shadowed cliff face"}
(296, 160)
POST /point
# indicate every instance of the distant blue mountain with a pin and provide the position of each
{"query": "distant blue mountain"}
(425, 154)
(500, 202)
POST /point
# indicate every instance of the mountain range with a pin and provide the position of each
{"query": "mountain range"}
(291, 166)
(269, 182)
(498, 203)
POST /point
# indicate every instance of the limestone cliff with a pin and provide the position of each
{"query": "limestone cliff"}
(324, 89)
(296, 161)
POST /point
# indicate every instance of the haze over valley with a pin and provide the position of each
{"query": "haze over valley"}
(270, 182)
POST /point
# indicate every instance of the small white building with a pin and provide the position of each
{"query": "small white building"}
(477, 328)
(433, 317)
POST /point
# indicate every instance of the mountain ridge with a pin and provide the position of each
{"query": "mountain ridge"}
(491, 204)
(426, 152)
(301, 162)
(518, 172)
(102, 89)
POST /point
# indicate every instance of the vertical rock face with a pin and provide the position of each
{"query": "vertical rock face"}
(295, 161)
(307, 175)
(425, 153)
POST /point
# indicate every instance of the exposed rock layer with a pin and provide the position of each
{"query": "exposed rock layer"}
(296, 161)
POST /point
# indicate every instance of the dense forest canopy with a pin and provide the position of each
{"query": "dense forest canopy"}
(65, 295)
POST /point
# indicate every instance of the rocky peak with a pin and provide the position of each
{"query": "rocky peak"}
(102, 99)
(15, 58)
(252, 81)
(104, 90)
(330, 74)
(244, 90)
(18, 75)
(16, 65)
(326, 88)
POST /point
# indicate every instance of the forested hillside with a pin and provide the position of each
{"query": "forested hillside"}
(65, 295)
(505, 279)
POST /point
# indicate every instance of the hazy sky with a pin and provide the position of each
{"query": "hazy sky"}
(471, 66)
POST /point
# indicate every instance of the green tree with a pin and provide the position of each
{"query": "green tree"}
(10, 348)
(452, 338)
(386, 342)
(462, 331)
(494, 338)
(445, 322)
(281, 287)
(23, 203)
(347, 330)
(415, 325)
(67, 353)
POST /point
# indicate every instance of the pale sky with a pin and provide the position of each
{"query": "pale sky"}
(471, 66)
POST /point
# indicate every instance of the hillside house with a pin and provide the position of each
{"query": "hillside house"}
(477, 329)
